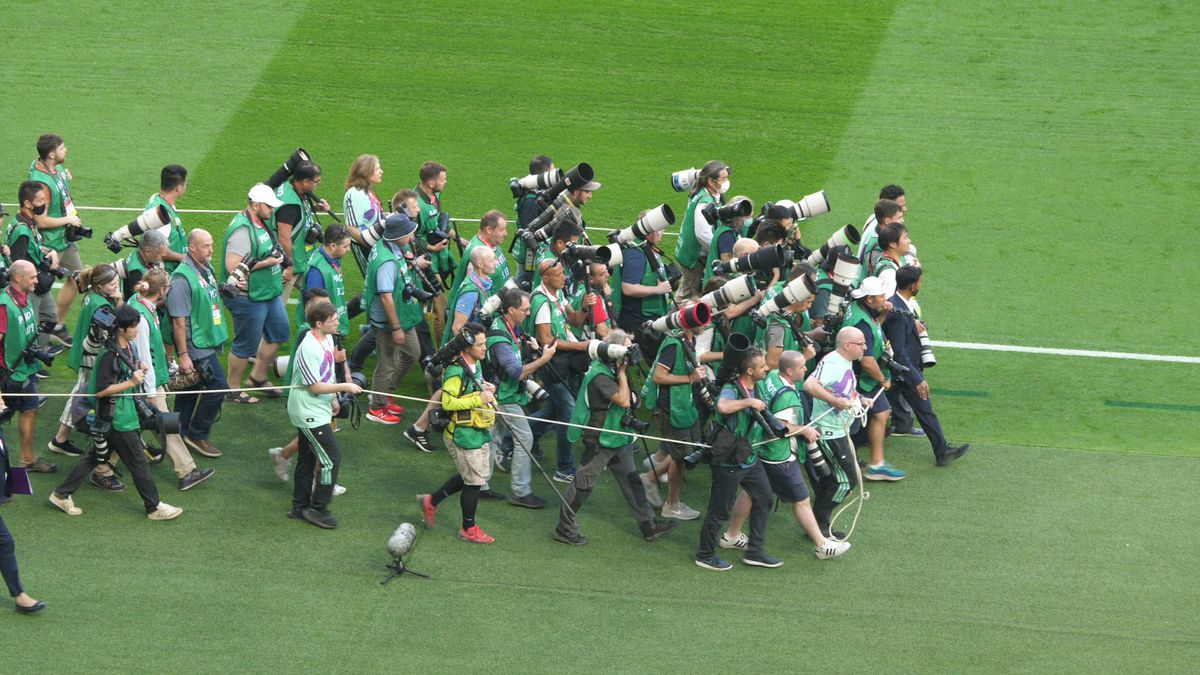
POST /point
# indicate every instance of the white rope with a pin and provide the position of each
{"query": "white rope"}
(863, 415)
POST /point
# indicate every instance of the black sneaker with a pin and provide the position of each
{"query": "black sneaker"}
(658, 529)
(762, 560)
(54, 349)
(42, 374)
(917, 433)
(827, 533)
(294, 514)
(194, 478)
(504, 463)
(491, 495)
(952, 454)
(419, 439)
(576, 540)
(321, 519)
(61, 335)
(65, 448)
(108, 482)
(529, 501)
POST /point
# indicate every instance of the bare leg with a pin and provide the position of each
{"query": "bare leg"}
(266, 356)
(876, 430)
(237, 368)
(741, 511)
(25, 424)
(290, 450)
(804, 515)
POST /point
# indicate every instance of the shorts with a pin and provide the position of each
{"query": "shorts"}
(69, 258)
(677, 451)
(22, 403)
(879, 407)
(786, 481)
(253, 320)
(474, 465)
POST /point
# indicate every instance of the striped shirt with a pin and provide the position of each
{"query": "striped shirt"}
(314, 363)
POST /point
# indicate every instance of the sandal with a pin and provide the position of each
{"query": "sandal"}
(240, 397)
(268, 393)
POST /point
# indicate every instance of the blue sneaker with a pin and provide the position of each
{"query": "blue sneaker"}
(715, 563)
(884, 471)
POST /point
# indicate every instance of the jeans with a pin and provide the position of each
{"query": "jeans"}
(198, 411)
(522, 467)
(253, 320)
(559, 407)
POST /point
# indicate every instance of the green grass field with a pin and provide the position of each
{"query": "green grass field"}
(1048, 150)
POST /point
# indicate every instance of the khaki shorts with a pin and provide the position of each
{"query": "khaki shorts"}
(69, 258)
(475, 466)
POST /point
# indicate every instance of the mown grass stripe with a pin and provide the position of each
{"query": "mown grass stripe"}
(1177, 407)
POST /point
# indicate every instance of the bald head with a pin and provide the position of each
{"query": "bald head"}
(483, 259)
(744, 246)
(850, 343)
(200, 246)
(552, 274)
(199, 236)
(789, 361)
(23, 276)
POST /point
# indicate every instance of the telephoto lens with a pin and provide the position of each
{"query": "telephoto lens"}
(817, 461)
(540, 181)
(682, 181)
(765, 258)
(150, 219)
(847, 236)
(735, 209)
(738, 290)
(655, 220)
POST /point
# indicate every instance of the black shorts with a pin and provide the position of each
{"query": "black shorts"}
(22, 403)
(786, 481)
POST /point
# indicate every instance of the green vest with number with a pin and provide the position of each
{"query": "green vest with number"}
(177, 240)
(430, 212)
(509, 390)
(207, 329)
(60, 198)
(91, 303)
(713, 253)
(465, 437)
(409, 313)
(158, 354)
(22, 331)
(264, 284)
(687, 252)
(124, 416)
(19, 228)
(615, 435)
(288, 195)
(334, 283)
(780, 396)
(558, 322)
(683, 407)
(499, 277)
(855, 314)
(465, 285)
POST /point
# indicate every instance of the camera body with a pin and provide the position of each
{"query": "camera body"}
(632, 422)
(437, 362)
(77, 232)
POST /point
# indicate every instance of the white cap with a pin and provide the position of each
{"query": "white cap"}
(263, 194)
(869, 286)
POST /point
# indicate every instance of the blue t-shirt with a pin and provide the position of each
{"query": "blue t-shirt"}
(469, 299)
(385, 282)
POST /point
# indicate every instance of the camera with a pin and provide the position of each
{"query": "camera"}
(674, 274)
(288, 167)
(579, 175)
(414, 292)
(886, 361)
(588, 254)
(442, 232)
(808, 206)
(843, 274)
(632, 422)
(439, 419)
(615, 355)
(798, 290)
(348, 403)
(61, 272)
(682, 181)
(239, 275)
(847, 236)
(539, 181)
(155, 420)
(928, 360)
(312, 236)
(690, 316)
(78, 232)
(697, 457)
(535, 391)
(738, 290)
(492, 305)
(5, 275)
(817, 462)
(738, 209)
(150, 219)
(33, 353)
(437, 362)
(656, 220)
(765, 258)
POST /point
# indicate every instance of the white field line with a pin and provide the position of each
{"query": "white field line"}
(1129, 356)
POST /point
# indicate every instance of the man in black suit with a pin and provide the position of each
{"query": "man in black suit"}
(901, 330)
(8, 556)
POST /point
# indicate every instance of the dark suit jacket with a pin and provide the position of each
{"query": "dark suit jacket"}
(5, 488)
(901, 331)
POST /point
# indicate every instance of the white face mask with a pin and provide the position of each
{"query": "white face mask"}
(725, 186)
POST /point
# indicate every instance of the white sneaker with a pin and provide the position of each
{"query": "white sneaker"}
(338, 490)
(280, 463)
(832, 549)
(740, 543)
(164, 512)
(652, 494)
(679, 511)
(66, 504)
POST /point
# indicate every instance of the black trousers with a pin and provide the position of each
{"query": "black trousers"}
(362, 349)
(128, 446)
(319, 459)
(925, 415)
(8, 560)
(902, 414)
(624, 471)
(833, 489)
(725, 482)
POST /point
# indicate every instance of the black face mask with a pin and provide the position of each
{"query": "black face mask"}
(39, 210)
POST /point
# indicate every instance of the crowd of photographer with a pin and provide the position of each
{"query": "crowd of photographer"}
(748, 351)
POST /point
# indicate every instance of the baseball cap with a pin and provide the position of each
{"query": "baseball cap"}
(869, 286)
(263, 194)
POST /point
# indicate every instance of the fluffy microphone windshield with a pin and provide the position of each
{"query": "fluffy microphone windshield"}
(401, 541)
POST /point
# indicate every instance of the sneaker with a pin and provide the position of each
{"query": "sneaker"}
(503, 463)
(952, 454)
(564, 476)
(884, 471)
(65, 448)
(529, 501)
(715, 563)
(570, 540)
(652, 494)
(338, 490)
(394, 408)
(153, 455)
(194, 478)
(428, 510)
(917, 433)
(108, 482)
(679, 511)
(66, 504)
(475, 536)
(762, 560)
(39, 465)
(204, 447)
(832, 549)
(418, 438)
(321, 519)
(164, 511)
(827, 533)
(740, 543)
(658, 529)
(491, 495)
(42, 373)
(382, 416)
(280, 463)
(61, 336)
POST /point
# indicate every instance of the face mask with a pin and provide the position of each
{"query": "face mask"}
(39, 210)
(725, 186)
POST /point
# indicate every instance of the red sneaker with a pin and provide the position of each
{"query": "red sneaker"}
(394, 408)
(382, 416)
(428, 510)
(475, 535)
